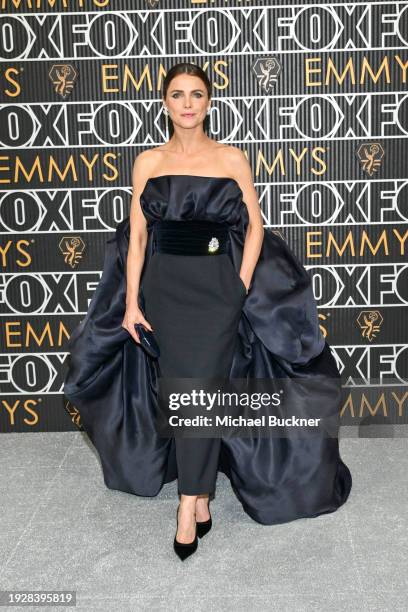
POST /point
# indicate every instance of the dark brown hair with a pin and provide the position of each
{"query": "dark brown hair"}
(193, 70)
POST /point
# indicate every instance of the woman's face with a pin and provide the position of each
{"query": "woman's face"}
(187, 100)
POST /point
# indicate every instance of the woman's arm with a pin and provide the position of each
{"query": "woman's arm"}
(137, 248)
(255, 231)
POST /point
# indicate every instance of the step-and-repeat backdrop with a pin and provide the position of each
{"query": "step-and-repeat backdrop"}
(315, 94)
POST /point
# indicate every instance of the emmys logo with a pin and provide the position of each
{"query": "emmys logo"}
(322, 317)
(370, 157)
(72, 249)
(63, 77)
(267, 70)
(75, 416)
(279, 233)
(370, 322)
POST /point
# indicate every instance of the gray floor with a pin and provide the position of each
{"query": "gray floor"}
(61, 528)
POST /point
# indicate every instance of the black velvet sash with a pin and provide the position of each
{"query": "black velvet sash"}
(192, 237)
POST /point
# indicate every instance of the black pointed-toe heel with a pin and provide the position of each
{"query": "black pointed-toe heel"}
(203, 527)
(185, 550)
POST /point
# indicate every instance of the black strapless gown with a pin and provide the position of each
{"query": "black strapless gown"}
(114, 383)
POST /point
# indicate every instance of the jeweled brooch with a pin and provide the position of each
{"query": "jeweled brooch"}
(213, 245)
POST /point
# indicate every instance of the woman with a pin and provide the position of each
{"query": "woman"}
(248, 311)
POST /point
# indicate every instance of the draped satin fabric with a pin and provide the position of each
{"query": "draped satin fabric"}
(114, 383)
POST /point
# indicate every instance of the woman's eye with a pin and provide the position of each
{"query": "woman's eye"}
(198, 94)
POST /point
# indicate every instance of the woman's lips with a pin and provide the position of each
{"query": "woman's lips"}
(188, 114)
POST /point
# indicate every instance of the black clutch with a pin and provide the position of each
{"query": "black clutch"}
(147, 340)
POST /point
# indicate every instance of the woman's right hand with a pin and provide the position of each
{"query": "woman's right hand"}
(134, 315)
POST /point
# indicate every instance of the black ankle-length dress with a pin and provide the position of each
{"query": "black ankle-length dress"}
(194, 303)
(272, 332)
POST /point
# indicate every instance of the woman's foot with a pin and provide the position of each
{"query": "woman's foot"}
(202, 511)
(185, 549)
(186, 529)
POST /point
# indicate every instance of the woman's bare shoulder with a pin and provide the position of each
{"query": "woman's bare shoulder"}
(234, 160)
(147, 161)
(231, 151)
